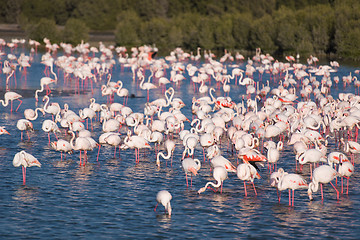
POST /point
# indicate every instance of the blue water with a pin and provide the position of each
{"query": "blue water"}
(115, 197)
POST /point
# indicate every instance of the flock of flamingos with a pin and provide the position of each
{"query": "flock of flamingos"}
(299, 112)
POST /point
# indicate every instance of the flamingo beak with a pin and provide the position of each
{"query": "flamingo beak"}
(193, 170)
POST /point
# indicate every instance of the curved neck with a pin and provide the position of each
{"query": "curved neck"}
(46, 101)
(241, 78)
(39, 90)
(72, 139)
(52, 71)
(142, 81)
(109, 78)
(5, 103)
(218, 184)
(152, 73)
(213, 99)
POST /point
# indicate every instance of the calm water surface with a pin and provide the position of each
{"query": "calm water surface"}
(114, 198)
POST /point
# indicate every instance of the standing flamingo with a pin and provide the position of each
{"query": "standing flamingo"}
(346, 169)
(11, 96)
(44, 82)
(291, 181)
(321, 175)
(25, 160)
(247, 172)
(50, 126)
(147, 86)
(24, 125)
(164, 197)
(81, 144)
(31, 114)
(190, 166)
(219, 174)
(170, 147)
(62, 146)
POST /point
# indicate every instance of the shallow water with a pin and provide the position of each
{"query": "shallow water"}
(115, 198)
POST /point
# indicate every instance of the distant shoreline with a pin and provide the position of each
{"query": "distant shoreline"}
(10, 31)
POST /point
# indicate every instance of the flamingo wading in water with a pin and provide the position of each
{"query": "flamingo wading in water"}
(25, 160)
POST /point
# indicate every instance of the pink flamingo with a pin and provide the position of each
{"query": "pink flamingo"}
(164, 197)
(25, 160)
(190, 166)
(11, 96)
(219, 174)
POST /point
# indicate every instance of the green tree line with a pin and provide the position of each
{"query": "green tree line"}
(276, 26)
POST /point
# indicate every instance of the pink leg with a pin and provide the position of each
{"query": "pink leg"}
(293, 193)
(187, 185)
(49, 137)
(289, 197)
(347, 186)
(97, 159)
(23, 173)
(245, 188)
(19, 104)
(337, 192)
(322, 196)
(254, 188)
(341, 185)
(156, 207)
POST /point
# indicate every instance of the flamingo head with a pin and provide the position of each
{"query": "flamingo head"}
(310, 195)
(201, 190)
(3, 131)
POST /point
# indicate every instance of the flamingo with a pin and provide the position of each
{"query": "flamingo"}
(3, 130)
(206, 140)
(219, 174)
(247, 172)
(311, 156)
(44, 82)
(53, 108)
(190, 144)
(94, 105)
(11, 96)
(352, 147)
(109, 138)
(111, 125)
(122, 92)
(31, 114)
(50, 126)
(87, 113)
(273, 154)
(321, 175)
(291, 181)
(136, 142)
(164, 197)
(170, 147)
(25, 160)
(334, 158)
(62, 146)
(252, 156)
(147, 86)
(218, 160)
(274, 180)
(346, 169)
(81, 144)
(24, 125)
(190, 166)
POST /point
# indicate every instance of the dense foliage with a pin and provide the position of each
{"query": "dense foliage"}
(276, 26)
